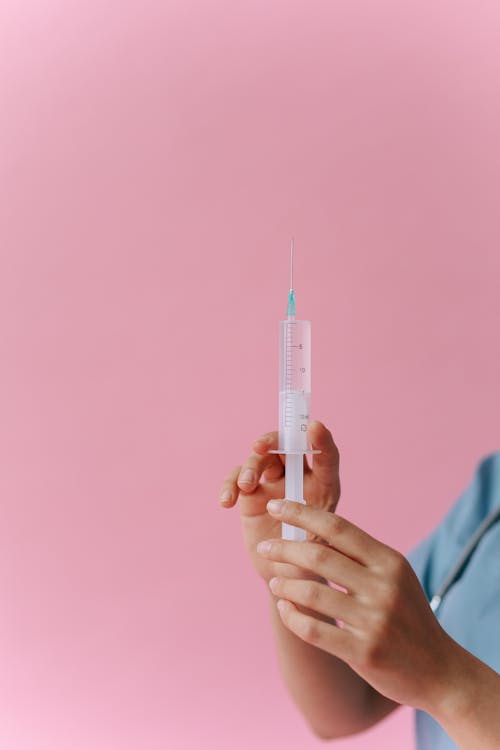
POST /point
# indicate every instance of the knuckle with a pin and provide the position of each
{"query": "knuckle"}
(311, 594)
(396, 566)
(272, 435)
(310, 630)
(318, 553)
(266, 437)
(293, 510)
(249, 465)
(274, 469)
(335, 524)
(380, 625)
(391, 596)
(372, 653)
(280, 587)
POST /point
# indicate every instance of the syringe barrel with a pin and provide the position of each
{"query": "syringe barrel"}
(294, 384)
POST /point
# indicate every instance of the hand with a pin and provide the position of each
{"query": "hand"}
(321, 488)
(389, 634)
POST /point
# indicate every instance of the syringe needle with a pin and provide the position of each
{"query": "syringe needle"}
(291, 294)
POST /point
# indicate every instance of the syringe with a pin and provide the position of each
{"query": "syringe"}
(294, 402)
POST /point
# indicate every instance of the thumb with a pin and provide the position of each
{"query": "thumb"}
(325, 465)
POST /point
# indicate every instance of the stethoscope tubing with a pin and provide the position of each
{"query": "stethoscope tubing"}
(462, 561)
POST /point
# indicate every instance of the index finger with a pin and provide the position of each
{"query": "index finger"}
(269, 441)
(340, 533)
(266, 442)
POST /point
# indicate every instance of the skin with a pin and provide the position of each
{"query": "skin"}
(389, 636)
(321, 487)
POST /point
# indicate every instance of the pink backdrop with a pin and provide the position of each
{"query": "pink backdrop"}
(155, 158)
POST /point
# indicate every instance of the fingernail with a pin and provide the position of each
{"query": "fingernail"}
(315, 423)
(263, 546)
(281, 605)
(225, 496)
(275, 506)
(247, 477)
(272, 583)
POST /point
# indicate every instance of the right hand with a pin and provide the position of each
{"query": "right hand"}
(321, 490)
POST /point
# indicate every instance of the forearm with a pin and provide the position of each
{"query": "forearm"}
(334, 699)
(469, 708)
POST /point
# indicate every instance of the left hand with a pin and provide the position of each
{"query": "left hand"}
(389, 636)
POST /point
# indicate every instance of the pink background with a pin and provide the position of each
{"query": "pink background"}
(155, 158)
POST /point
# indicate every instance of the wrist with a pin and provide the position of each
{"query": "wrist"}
(455, 686)
(468, 709)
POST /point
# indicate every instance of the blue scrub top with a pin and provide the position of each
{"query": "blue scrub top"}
(470, 610)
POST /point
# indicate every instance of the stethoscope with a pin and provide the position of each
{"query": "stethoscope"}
(464, 558)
